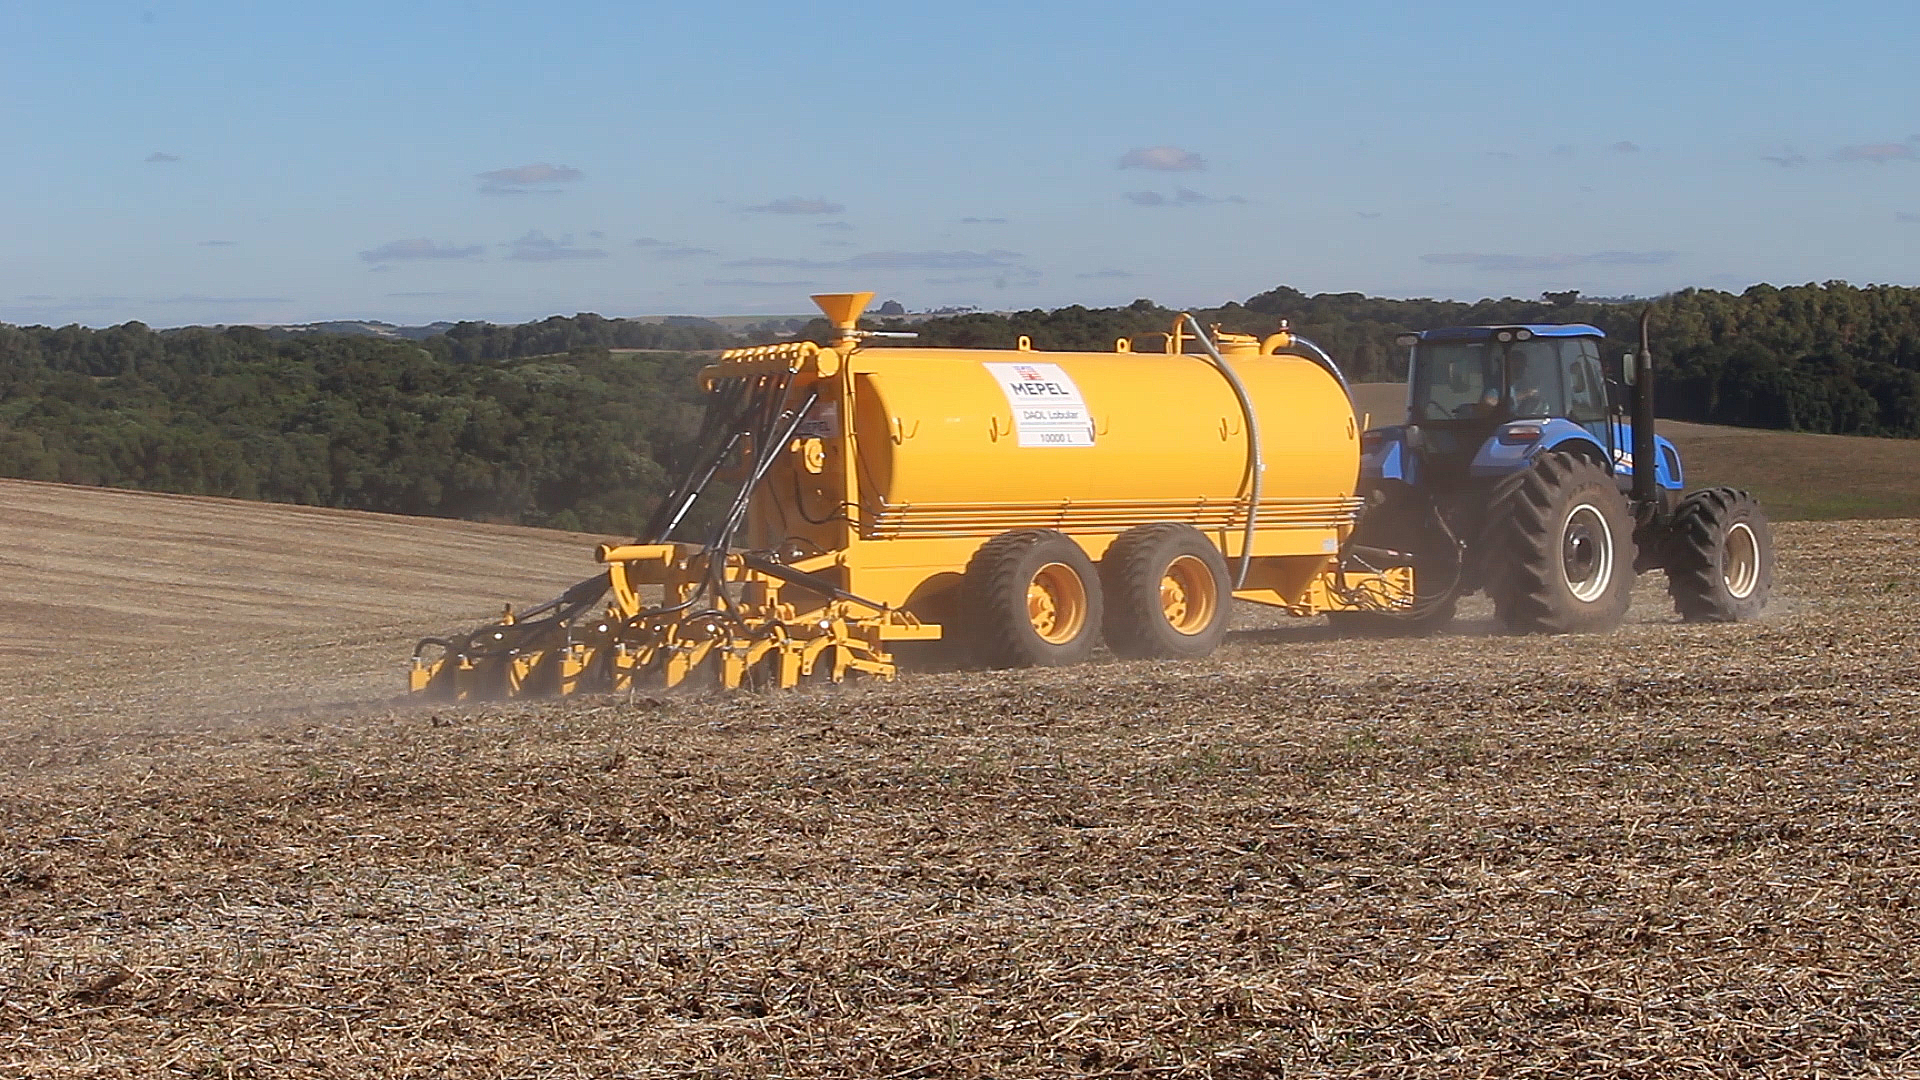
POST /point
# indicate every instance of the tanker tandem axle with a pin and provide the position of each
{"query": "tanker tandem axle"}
(1018, 504)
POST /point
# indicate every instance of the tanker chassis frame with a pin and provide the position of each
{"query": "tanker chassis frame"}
(808, 573)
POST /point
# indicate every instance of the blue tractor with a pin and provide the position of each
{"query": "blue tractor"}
(1527, 468)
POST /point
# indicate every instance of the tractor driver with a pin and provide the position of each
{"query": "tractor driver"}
(1527, 382)
(1526, 386)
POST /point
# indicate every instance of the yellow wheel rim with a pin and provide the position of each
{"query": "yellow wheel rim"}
(1740, 567)
(1057, 603)
(1188, 595)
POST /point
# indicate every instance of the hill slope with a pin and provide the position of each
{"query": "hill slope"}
(133, 604)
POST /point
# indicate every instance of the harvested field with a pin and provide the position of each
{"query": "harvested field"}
(1668, 851)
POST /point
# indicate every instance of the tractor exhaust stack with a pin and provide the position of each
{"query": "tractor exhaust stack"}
(1646, 491)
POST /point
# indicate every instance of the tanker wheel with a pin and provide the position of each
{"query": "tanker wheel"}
(1719, 557)
(1561, 549)
(1031, 600)
(1167, 592)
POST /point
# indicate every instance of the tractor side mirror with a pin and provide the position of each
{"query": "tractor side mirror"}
(1626, 368)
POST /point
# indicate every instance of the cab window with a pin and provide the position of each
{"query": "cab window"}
(1534, 379)
(1586, 390)
(1456, 380)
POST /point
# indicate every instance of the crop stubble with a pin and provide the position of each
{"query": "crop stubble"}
(1672, 850)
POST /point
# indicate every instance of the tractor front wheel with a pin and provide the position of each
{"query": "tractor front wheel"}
(1719, 557)
(1032, 599)
(1560, 549)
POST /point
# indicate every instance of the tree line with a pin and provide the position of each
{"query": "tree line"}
(580, 439)
(1831, 358)
(574, 422)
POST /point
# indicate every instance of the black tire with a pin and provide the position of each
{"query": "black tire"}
(1167, 593)
(1008, 623)
(1719, 557)
(1397, 520)
(1560, 549)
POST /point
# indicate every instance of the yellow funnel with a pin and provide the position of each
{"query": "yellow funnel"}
(843, 310)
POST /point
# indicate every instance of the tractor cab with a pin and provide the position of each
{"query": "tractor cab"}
(1483, 401)
(1492, 375)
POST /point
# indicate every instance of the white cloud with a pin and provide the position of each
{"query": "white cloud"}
(1018, 275)
(661, 249)
(161, 157)
(983, 221)
(769, 263)
(522, 179)
(1181, 197)
(196, 298)
(797, 204)
(1162, 159)
(894, 260)
(418, 248)
(1877, 153)
(1787, 158)
(1529, 263)
(1625, 147)
(681, 251)
(932, 260)
(536, 246)
(751, 283)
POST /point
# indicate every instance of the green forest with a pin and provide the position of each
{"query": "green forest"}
(574, 422)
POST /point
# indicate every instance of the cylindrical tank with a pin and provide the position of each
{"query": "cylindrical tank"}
(955, 442)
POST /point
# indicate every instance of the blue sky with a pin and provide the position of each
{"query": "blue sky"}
(181, 162)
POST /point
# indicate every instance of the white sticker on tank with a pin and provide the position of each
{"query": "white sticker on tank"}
(1047, 407)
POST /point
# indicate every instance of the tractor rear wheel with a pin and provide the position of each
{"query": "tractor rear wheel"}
(1719, 557)
(1032, 599)
(1560, 549)
(1167, 591)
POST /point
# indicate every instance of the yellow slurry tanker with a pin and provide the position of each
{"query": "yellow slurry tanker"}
(1016, 503)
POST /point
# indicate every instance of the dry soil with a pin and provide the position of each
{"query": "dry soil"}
(1672, 850)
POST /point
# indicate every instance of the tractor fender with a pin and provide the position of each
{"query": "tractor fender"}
(1383, 455)
(1667, 471)
(1514, 446)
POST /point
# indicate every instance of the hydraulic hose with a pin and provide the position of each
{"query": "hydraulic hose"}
(1256, 465)
(1319, 356)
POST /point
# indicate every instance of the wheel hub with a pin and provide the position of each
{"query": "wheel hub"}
(1740, 563)
(1056, 603)
(1187, 595)
(1586, 553)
